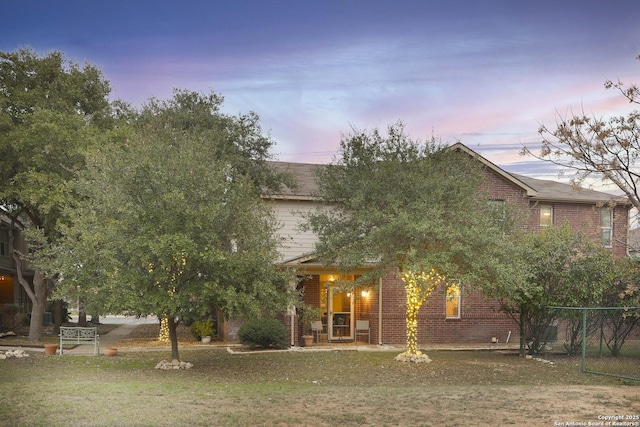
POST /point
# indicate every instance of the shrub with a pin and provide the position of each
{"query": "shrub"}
(11, 316)
(201, 328)
(263, 333)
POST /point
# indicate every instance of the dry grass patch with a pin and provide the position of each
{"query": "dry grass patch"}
(305, 388)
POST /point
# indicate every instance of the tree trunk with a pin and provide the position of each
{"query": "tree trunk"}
(82, 318)
(173, 336)
(82, 314)
(95, 318)
(58, 308)
(37, 294)
(38, 307)
(163, 335)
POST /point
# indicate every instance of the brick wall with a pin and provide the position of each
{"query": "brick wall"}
(480, 319)
(583, 217)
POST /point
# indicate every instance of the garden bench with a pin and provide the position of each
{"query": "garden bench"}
(79, 336)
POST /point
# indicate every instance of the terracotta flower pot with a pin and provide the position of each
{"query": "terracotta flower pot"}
(308, 340)
(50, 349)
(110, 351)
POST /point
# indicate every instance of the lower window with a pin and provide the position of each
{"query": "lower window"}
(453, 301)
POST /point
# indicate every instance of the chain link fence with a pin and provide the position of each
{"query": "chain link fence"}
(606, 338)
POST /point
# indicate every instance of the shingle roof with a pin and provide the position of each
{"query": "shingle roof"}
(305, 177)
(556, 191)
(543, 190)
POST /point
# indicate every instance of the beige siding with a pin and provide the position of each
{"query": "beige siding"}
(296, 243)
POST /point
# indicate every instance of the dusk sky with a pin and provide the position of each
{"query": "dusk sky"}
(485, 73)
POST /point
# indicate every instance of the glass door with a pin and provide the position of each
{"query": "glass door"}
(340, 314)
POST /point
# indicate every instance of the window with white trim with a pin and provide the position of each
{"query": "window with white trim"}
(606, 226)
(453, 301)
(546, 215)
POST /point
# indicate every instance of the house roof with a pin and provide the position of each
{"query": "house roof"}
(536, 189)
(556, 191)
(305, 176)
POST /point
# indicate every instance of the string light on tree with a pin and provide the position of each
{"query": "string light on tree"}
(418, 287)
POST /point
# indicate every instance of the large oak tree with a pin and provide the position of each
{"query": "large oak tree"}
(50, 111)
(411, 208)
(171, 220)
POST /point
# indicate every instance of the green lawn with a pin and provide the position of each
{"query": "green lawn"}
(305, 388)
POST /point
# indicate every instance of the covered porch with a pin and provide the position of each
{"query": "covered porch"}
(345, 314)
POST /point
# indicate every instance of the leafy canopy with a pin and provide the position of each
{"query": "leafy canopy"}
(50, 111)
(399, 204)
(172, 220)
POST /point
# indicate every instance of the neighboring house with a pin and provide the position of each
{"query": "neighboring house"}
(10, 290)
(449, 316)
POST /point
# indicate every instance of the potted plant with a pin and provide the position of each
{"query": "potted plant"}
(202, 330)
(310, 314)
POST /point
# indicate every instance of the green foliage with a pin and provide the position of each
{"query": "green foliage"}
(11, 315)
(624, 293)
(400, 205)
(562, 268)
(171, 221)
(49, 108)
(310, 314)
(202, 328)
(408, 205)
(52, 112)
(263, 333)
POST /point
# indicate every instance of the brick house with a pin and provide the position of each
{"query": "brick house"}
(11, 292)
(455, 317)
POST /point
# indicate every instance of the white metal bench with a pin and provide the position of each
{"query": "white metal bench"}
(78, 336)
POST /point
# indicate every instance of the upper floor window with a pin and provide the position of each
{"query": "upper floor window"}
(453, 301)
(4, 242)
(606, 226)
(546, 215)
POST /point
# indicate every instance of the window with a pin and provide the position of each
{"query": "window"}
(606, 226)
(453, 301)
(498, 212)
(4, 242)
(546, 215)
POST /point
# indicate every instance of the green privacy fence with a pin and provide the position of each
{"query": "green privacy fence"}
(606, 338)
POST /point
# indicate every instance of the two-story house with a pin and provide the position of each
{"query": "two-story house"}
(449, 315)
(11, 293)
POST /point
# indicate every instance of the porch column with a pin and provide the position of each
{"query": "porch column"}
(291, 311)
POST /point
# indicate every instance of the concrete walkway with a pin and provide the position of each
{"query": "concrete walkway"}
(107, 340)
(111, 339)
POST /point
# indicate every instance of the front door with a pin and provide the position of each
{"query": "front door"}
(340, 314)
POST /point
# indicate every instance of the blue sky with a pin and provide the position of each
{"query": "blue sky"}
(486, 73)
